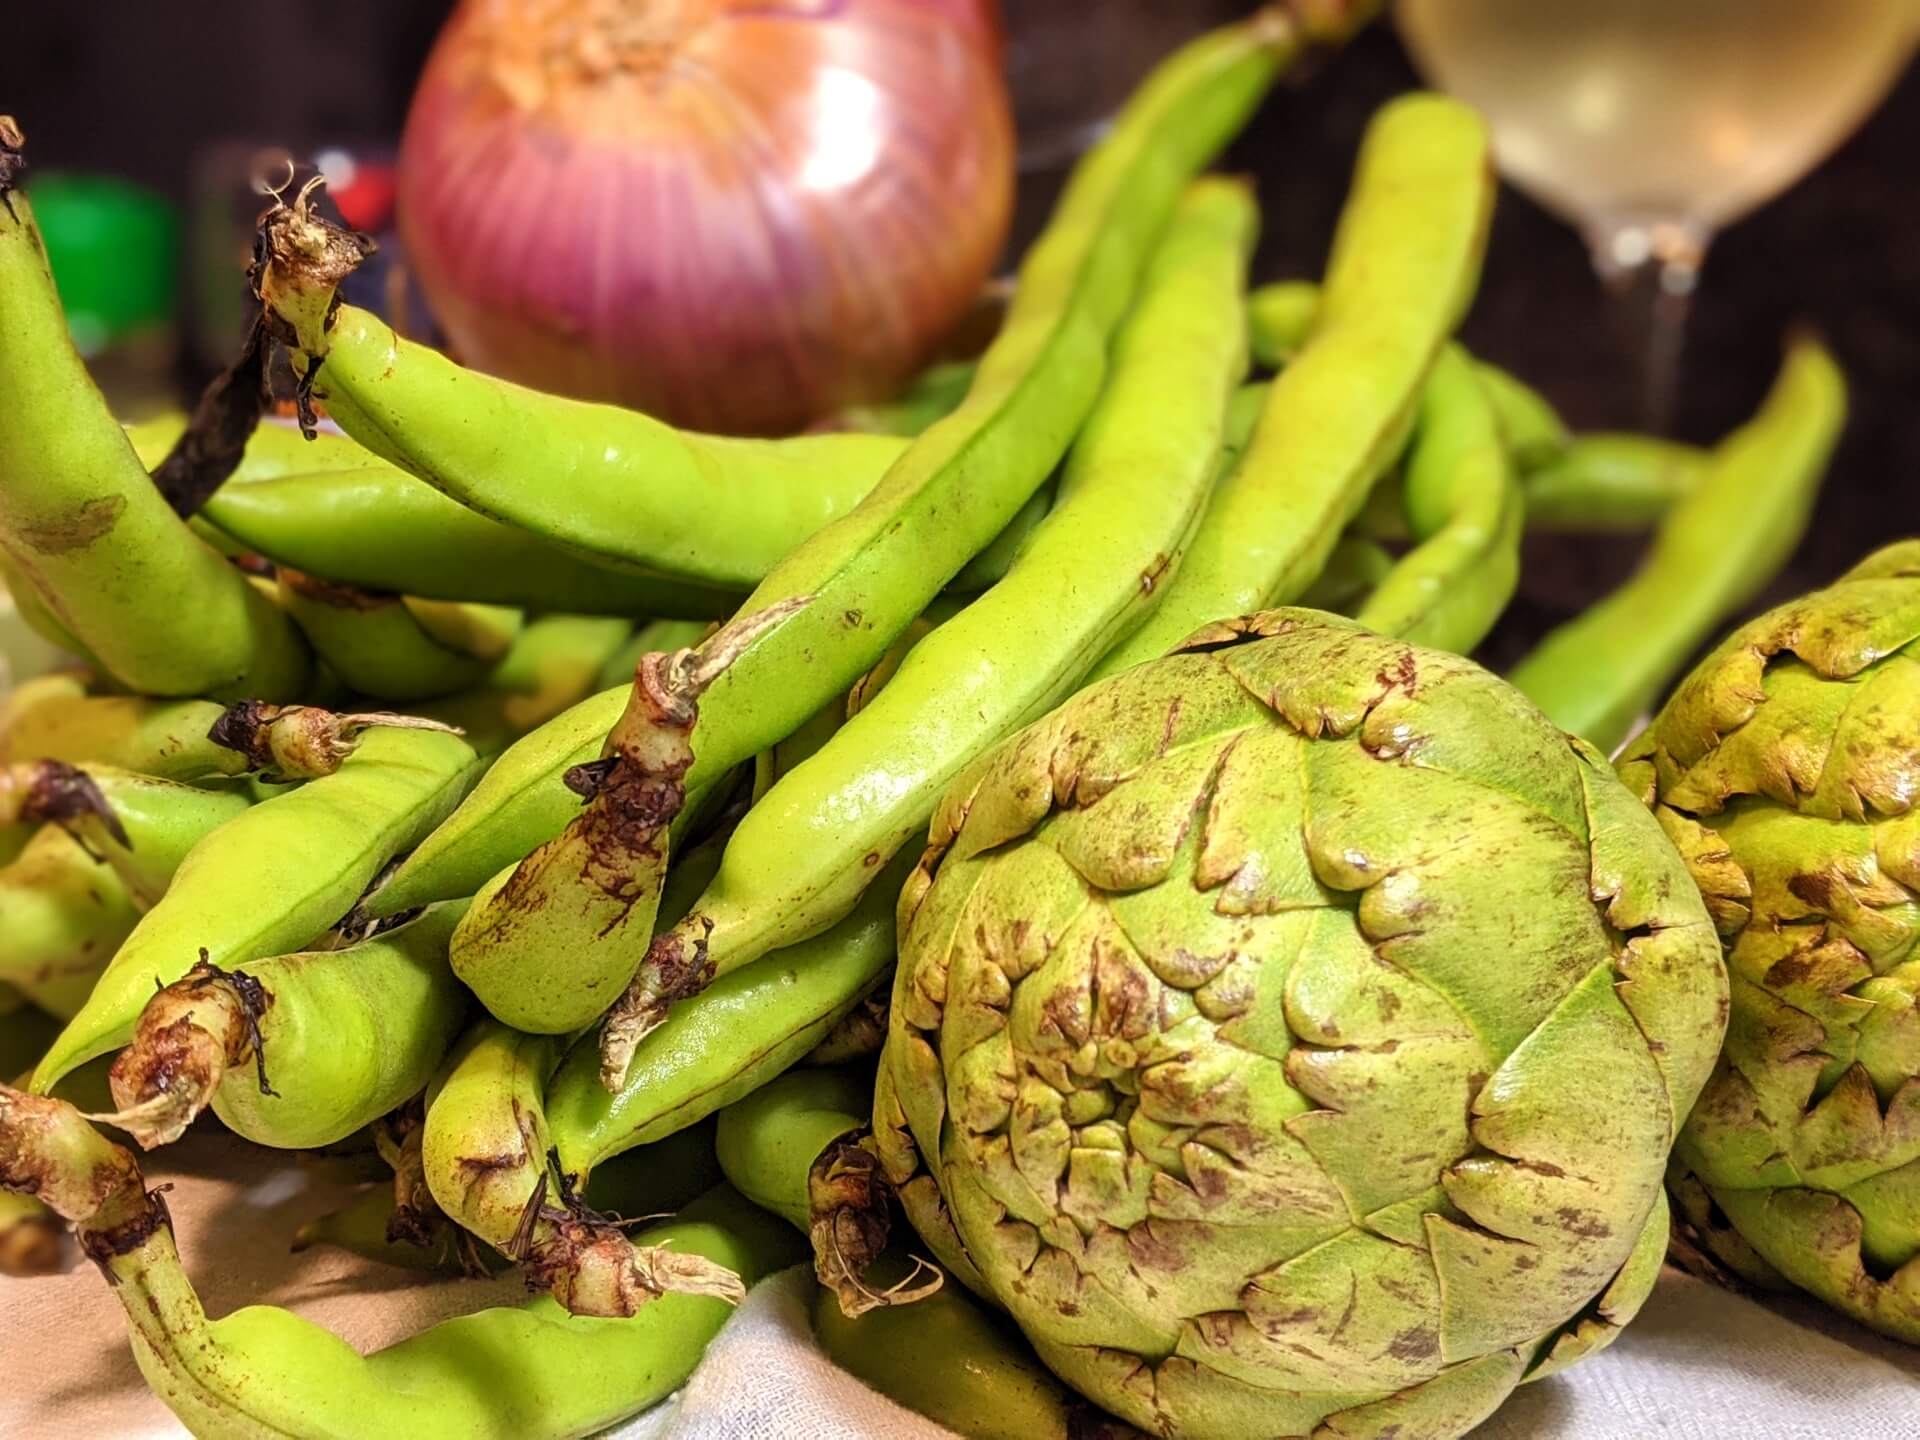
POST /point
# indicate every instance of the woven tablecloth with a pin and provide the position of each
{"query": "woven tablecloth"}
(1699, 1362)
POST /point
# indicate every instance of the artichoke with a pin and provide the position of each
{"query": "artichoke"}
(1786, 769)
(1291, 1034)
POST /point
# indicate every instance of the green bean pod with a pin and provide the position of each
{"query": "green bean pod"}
(332, 508)
(166, 739)
(193, 741)
(141, 827)
(526, 1373)
(1136, 479)
(1612, 482)
(484, 1150)
(1406, 259)
(381, 529)
(550, 942)
(294, 1051)
(281, 873)
(63, 915)
(1715, 551)
(29, 695)
(958, 485)
(521, 802)
(728, 1040)
(1465, 512)
(80, 519)
(484, 1145)
(34, 613)
(1280, 318)
(993, 562)
(274, 449)
(273, 878)
(1530, 428)
(794, 1147)
(948, 1358)
(381, 645)
(613, 484)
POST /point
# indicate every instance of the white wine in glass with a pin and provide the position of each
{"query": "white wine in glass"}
(1651, 123)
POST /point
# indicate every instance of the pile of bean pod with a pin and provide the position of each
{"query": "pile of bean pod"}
(517, 790)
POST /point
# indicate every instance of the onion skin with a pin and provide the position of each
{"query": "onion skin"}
(737, 215)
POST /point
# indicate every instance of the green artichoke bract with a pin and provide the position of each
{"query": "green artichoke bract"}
(1293, 1032)
(1786, 768)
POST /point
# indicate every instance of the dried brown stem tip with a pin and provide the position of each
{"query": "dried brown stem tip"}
(417, 1218)
(851, 1219)
(649, 745)
(223, 420)
(303, 742)
(299, 259)
(37, 791)
(585, 1261)
(49, 1151)
(191, 1033)
(13, 160)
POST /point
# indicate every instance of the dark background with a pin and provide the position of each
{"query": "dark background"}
(136, 88)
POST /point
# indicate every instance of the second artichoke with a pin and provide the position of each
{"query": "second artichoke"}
(1786, 768)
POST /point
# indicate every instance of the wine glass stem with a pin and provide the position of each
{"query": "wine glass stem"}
(1650, 269)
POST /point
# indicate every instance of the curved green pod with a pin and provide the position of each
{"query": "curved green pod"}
(295, 1051)
(722, 1044)
(1612, 481)
(381, 529)
(947, 1357)
(1133, 484)
(140, 826)
(614, 485)
(63, 917)
(81, 521)
(1465, 513)
(1405, 264)
(1715, 550)
(276, 448)
(530, 1372)
(312, 849)
(379, 646)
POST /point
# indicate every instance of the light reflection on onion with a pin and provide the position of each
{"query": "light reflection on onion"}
(735, 215)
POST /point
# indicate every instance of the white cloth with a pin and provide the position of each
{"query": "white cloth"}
(1699, 1363)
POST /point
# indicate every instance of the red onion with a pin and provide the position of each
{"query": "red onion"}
(734, 214)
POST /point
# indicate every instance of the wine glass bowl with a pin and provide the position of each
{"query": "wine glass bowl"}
(1651, 124)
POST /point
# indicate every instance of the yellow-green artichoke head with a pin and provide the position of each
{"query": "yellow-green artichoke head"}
(1786, 769)
(1291, 1034)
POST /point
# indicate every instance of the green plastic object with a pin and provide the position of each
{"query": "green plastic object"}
(115, 252)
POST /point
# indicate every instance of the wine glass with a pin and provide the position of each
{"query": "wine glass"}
(1650, 124)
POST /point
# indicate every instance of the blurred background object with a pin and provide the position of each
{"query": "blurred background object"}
(115, 252)
(124, 87)
(1650, 124)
